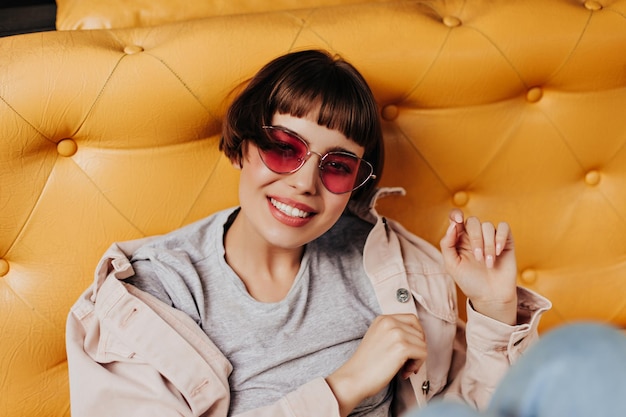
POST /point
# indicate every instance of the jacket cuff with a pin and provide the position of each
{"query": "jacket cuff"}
(487, 334)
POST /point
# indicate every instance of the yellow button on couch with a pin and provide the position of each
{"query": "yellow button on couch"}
(511, 110)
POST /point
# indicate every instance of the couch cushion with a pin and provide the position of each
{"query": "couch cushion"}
(101, 14)
(512, 110)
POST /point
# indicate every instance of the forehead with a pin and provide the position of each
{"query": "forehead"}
(320, 138)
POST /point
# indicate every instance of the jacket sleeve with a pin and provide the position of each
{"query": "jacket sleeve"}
(122, 361)
(111, 375)
(125, 386)
(485, 349)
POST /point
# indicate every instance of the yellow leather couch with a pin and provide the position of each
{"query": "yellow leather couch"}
(512, 110)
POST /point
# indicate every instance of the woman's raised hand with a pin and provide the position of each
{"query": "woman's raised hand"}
(481, 259)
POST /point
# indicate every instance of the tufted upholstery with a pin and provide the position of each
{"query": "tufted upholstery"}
(512, 110)
(110, 14)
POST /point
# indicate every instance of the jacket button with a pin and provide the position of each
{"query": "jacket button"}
(403, 295)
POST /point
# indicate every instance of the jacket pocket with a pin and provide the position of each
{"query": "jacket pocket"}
(435, 293)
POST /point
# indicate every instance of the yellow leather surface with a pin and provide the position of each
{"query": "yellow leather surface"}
(512, 110)
(114, 14)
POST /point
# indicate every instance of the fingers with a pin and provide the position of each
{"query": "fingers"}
(456, 216)
(410, 367)
(448, 243)
(402, 324)
(405, 335)
(486, 242)
(405, 330)
(475, 235)
(489, 243)
(503, 237)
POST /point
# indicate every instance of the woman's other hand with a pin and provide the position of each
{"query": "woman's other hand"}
(392, 343)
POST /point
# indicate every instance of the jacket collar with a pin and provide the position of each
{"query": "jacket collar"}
(366, 208)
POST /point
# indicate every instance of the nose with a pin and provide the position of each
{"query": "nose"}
(307, 178)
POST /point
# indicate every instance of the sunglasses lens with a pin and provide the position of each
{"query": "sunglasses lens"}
(343, 172)
(285, 152)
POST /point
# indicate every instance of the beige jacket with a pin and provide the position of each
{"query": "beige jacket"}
(130, 354)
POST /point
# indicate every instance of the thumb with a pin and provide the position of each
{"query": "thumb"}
(448, 243)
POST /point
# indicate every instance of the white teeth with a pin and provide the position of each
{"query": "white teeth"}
(289, 210)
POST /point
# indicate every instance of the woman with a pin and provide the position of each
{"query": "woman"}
(302, 300)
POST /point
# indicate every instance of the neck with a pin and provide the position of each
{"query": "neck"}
(267, 271)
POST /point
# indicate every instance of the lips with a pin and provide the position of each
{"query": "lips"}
(289, 210)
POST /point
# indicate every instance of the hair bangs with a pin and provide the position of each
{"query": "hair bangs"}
(338, 97)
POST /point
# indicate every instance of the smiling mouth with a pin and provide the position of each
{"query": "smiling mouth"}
(289, 210)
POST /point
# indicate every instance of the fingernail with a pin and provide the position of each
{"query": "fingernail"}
(489, 261)
(498, 248)
(478, 254)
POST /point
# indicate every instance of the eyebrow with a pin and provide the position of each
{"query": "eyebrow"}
(332, 149)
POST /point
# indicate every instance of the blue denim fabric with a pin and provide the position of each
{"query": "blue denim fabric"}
(578, 370)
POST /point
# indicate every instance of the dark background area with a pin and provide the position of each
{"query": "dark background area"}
(26, 16)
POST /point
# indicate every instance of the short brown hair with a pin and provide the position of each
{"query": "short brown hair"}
(296, 84)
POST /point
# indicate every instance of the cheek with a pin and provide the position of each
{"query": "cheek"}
(335, 204)
(254, 173)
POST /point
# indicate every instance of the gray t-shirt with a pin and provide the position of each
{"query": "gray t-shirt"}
(274, 347)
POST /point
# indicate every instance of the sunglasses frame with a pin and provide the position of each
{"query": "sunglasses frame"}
(320, 166)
